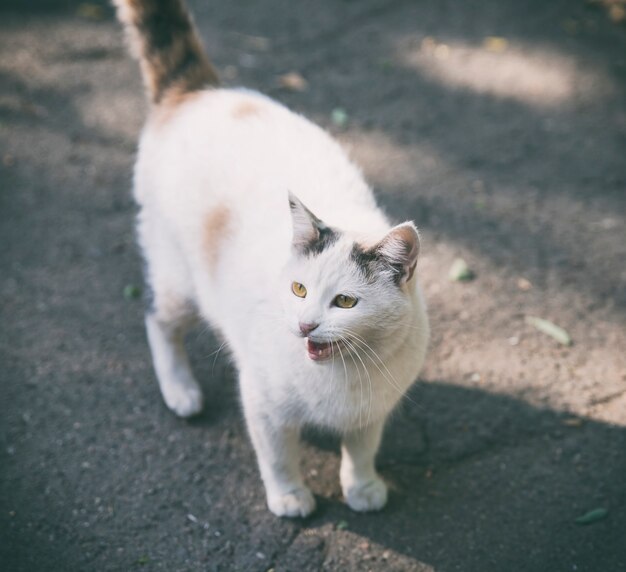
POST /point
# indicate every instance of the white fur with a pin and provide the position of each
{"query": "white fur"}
(205, 156)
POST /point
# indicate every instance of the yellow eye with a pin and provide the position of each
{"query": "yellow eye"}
(298, 289)
(343, 301)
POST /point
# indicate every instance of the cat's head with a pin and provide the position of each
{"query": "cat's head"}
(343, 293)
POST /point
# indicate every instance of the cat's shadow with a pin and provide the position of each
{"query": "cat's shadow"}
(469, 470)
(217, 376)
(404, 420)
(466, 467)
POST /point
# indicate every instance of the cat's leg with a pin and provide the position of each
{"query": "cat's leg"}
(277, 450)
(171, 313)
(166, 336)
(362, 488)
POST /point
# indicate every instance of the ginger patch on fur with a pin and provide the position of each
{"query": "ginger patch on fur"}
(246, 108)
(216, 229)
(172, 308)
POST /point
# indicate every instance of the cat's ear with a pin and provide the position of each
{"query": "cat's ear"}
(400, 248)
(310, 234)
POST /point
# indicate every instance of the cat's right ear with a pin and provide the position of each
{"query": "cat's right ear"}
(310, 234)
(400, 249)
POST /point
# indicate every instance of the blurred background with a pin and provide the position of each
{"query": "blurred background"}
(498, 126)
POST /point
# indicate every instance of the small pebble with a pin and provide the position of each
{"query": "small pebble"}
(293, 81)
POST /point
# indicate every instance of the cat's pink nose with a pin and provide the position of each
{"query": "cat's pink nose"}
(306, 329)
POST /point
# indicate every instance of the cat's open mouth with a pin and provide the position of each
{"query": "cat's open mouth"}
(319, 351)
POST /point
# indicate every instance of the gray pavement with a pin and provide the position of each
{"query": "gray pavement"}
(498, 126)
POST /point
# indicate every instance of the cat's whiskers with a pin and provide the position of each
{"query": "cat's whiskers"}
(330, 390)
(369, 378)
(348, 347)
(385, 376)
(333, 356)
(332, 365)
(357, 338)
(207, 330)
(345, 370)
(388, 376)
(217, 353)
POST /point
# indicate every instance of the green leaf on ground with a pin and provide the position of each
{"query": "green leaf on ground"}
(339, 117)
(142, 560)
(592, 516)
(342, 525)
(131, 292)
(547, 327)
(460, 271)
(479, 203)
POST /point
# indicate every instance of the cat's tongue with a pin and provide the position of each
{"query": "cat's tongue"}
(318, 350)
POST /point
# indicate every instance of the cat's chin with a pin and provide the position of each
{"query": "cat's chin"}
(319, 351)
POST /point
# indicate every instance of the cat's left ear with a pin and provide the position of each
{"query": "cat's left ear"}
(400, 248)
(310, 234)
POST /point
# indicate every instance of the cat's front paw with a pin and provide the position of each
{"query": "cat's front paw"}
(184, 400)
(299, 502)
(371, 495)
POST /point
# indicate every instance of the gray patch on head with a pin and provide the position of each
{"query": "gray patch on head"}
(372, 265)
(327, 237)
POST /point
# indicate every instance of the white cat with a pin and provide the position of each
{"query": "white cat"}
(323, 316)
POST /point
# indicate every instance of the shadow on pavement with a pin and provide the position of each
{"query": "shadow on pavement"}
(480, 482)
(96, 474)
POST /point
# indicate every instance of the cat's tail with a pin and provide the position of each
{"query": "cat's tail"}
(164, 40)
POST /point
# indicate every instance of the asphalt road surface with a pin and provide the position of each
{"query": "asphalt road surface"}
(498, 126)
